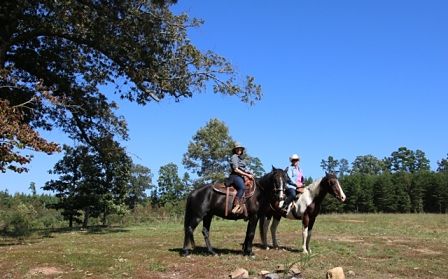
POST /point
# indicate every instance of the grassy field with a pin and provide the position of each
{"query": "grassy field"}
(371, 246)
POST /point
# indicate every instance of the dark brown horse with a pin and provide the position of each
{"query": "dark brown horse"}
(205, 202)
(306, 208)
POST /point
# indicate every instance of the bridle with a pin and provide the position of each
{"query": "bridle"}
(279, 184)
(336, 189)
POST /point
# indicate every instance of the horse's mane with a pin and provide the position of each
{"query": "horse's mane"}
(267, 177)
(269, 174)
(264, 179)
(314, 186)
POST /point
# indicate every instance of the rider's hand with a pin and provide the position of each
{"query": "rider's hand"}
(250, 176)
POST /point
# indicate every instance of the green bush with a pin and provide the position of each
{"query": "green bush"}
(16, 224)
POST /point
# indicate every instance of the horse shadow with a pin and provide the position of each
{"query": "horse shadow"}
(280, 247)
(203, 251)
(106, 230)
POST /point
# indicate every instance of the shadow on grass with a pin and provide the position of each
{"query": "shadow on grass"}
(285, 248)
(35, 235)
(16, 241)
(88, 230)
(105, 230)
(203, 251)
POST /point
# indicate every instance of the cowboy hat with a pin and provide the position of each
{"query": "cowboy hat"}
(294, 157)
(238, 145)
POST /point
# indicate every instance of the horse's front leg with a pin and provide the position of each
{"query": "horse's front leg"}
(309, 233)
(274, 227)
(305, 240)
(250, 233)
(264, 225)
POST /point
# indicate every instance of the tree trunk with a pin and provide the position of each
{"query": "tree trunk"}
(104, 219)
(70, 221)
(86, 217)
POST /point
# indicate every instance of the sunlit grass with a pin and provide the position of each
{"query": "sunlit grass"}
(372, 246)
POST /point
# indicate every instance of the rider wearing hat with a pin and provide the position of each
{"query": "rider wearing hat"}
(237, 172)
(295, 181)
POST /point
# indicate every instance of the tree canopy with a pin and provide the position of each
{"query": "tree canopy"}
(367, 164)
(330, 165)
(171, 188)
(443, 165)
(90, 181)
(209, 152)
(406, 160)
(140, 181)
(56, 58)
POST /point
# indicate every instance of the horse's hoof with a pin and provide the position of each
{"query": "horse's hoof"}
(185, 253)
(248, 253)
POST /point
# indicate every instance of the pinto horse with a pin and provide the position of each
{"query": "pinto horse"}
(205, 202)
(306, 208)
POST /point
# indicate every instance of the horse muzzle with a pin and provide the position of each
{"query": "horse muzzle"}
(341, 198)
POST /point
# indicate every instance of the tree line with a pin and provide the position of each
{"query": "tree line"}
(400, 183)
(97, 183)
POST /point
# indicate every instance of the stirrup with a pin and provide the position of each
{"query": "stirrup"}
(236, 209)
(285, 207)
(284, 210)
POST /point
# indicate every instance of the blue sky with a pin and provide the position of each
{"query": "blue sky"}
(341, 78)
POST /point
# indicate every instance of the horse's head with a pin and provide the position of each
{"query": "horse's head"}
(279, 180)
(334, 187)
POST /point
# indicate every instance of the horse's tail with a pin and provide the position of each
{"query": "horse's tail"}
(188, 231)
(188, 212)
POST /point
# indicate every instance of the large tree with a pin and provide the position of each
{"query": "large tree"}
(330, 165)
(171, 188)
(75, 187)
(56, 58)
(209, 153)
(140, 181)
(407, 160)
(93, 182)
(367, 164)
(344, 167)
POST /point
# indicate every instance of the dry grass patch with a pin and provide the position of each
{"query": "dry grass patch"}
(45, 271)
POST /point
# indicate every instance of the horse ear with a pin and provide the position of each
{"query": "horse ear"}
(273, 168)
(326, 173)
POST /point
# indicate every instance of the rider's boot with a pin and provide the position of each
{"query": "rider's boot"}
(284, 208)
(238, 208)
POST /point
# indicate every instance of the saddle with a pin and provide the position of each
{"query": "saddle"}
(230, 192)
